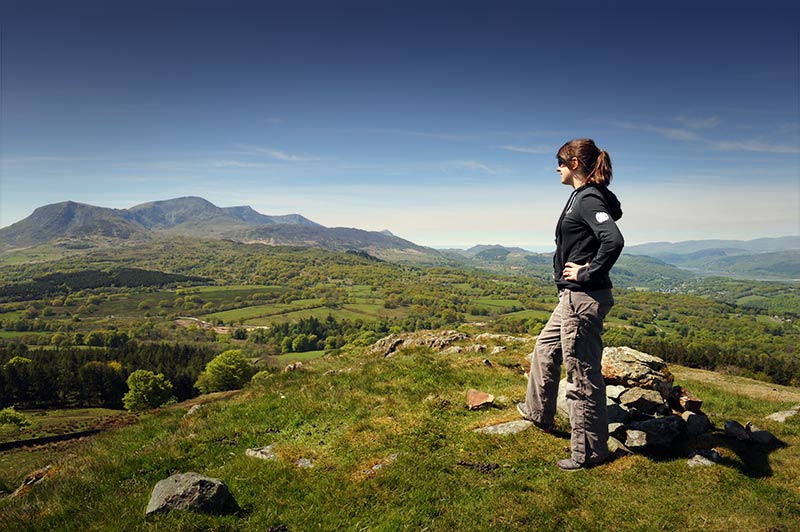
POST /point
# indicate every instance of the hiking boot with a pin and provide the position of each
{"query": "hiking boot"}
(568, 464)
(523, 411)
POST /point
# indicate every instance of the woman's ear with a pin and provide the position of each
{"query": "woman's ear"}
(574, 163)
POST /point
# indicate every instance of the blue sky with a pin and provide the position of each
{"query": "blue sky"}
(436, 120)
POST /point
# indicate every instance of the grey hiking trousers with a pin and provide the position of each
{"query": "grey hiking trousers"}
(573, 334)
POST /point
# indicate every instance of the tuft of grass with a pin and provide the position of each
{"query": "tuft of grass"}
(350, 412)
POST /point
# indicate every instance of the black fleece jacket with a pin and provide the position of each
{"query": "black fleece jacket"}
(586, 232)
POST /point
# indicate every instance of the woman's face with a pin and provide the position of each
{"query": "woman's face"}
(566, 172)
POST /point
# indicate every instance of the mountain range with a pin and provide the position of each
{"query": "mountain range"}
(70, 226)
(74, 225)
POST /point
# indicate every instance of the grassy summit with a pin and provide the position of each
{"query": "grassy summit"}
(351, 412)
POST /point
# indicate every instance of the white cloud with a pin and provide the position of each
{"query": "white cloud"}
(672, 133)
(277, 154)
(699, 123)
(755, 146)
(529, 149)
(475, 165)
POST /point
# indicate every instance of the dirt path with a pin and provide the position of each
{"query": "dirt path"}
(738, 385)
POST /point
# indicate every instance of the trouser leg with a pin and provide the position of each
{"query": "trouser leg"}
(542, 393)
(581, 340)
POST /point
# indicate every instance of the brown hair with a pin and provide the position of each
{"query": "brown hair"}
(596, 163)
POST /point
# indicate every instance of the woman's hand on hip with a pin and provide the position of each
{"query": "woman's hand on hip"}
(570, 272)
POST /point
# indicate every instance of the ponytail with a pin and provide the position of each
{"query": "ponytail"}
(601, 173)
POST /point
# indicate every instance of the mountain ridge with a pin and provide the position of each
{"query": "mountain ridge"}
(75, 225)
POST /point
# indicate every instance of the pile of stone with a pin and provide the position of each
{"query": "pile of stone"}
(645, 408)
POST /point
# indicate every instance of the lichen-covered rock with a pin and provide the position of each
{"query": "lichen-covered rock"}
(431, 339)
(263, 453)
(783, 415)
(505, 338)
(192, 491)
(630, 368)
(643, 400)
(512, 427)
(657, 432)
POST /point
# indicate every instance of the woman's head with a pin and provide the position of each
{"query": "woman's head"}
(586, 160)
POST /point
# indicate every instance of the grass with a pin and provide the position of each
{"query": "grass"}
(444, 477)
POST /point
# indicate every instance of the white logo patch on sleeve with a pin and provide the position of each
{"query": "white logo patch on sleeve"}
(601, 217)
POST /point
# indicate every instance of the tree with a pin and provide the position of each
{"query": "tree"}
(227, 371)
(147, 390)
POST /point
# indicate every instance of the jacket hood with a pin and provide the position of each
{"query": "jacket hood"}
(614, 206)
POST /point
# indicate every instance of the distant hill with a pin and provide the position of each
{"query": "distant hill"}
(630, 271)
(69, 222)
(759, 245)
(763, 258)
(78, 226)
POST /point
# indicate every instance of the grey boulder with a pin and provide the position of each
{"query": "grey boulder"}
(191, 491)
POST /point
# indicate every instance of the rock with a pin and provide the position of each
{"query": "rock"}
(696, 424)
(703, 457)
(635, 438)
(782, 416)
(497, 349)
(293, 367)
(476, 399)
(683, 400)
(477, 348)
(630, 368)
(758, 436)
(643, 400)
(699, 460)
(304, 463)
(388, 345)
(658, 432)
(431, 339)
(735, 429)
(367, 473)
(512, 427)
(453, 350)
(192, 411)
(561, 402)
(616, 447)
(615, 427)
(192, 491)
(31, 480)
(618, 414)
(487, 363)
(264, 453)
(613, 391)
(505, 338)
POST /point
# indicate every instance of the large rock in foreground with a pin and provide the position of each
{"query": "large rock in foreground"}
(192, 491)
(634, 369)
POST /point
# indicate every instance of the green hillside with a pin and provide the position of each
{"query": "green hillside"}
(406, 414)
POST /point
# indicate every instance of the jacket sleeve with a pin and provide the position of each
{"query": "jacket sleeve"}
(595, 214)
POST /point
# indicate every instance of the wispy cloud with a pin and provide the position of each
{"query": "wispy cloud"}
(698, 123)
(755, 146)
(235, 164)
(540, 149)
(476, 165)
(672, 133)
(278, 154)
(426, 134)
(684, 134)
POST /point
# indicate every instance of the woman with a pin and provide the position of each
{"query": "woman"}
(588, 243)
